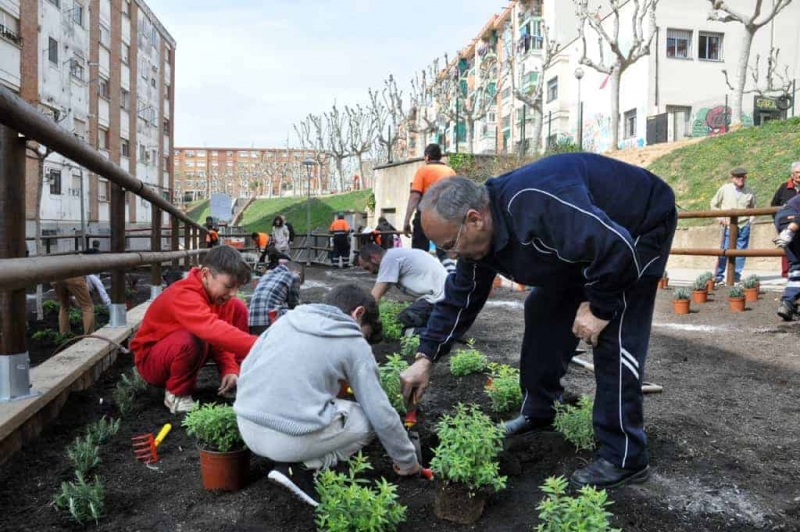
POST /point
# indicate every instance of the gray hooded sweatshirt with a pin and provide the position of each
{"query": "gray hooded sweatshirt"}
(289, 380)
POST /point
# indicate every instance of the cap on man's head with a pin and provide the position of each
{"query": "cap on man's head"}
(739, 171)
(340, 215)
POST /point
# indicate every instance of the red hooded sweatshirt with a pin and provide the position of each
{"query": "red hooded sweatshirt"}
(185, 305)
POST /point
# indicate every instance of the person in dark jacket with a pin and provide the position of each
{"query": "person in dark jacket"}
(785, 192)
(386, 241)
(591, 235)
(787, 222)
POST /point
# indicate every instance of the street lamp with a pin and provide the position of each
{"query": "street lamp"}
(578, 76)
(309, 164)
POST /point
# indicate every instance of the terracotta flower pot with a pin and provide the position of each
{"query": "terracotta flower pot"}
(699, 296)
(737, 304)
(663, 283)
(225, 471)
(680, 306)
(497, 281)
(710, 286)
(455, 502)
(751, 294)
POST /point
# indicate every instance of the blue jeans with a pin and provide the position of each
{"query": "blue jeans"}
(741, 243)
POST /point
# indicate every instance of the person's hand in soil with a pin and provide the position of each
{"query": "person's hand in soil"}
(228, 383)
(587, 326)
(415, 379)
(407, 472)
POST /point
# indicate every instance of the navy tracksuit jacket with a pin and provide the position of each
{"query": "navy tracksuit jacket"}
(576, 227)
(791, 213)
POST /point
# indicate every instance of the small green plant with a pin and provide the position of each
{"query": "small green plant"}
(63, 338)
(751, 282)
(50, 307)
(575, 423)
(735, 291)
(409, 345)
(215, 428)
(390, 380)
(46, 336)
(102, 430)
(700, 283)
(469, 442)
(84, 501)
(563, 145)
(681, 293)
(467, 361)
(706, 276)
(347, 503)
(83, 453)
(100, 310)
(392, 329)
(128, 388)
(585, 513)
(75, 317)
(503, 388)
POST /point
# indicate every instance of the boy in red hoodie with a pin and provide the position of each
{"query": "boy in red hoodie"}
(196, 318)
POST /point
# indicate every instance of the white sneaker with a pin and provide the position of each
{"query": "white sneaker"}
(179, 404)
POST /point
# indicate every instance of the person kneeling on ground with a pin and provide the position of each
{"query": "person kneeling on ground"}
(415, 272)
(286, 405)
(787, 221)
(193, 319)
(277, 290)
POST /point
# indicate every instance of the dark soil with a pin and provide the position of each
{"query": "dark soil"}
(723, 439)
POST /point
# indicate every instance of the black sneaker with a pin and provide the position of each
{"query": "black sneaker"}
(786, 311)
(297, 479)
(523, 425)
(603, 474)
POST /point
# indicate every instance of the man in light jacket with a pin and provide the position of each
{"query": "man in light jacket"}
(734, 195)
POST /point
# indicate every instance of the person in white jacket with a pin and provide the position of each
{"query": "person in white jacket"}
(281, 235)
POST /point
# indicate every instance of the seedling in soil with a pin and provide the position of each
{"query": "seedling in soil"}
(681, 293)
(392, 329)
(102, 430)
(347, 503)
(584, 513)
(735, 291)
(50, 307)
(46, 336)
(467, 361)
(83, 453)
(706, 276)
(701, 283)
(469, 442)
(409, 345)
(128, 388)
(390, 380)
(575, 423)
(215, 428)
(84, 501)
(751, 282)
(503, 388)
(75, 317)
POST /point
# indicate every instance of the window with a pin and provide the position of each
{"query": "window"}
(125, 53)
(104, 89)
(79, 128)
(710, 46)
(105, 36)
(506, 93)
(77, 14)
(77, 182)
(102, 139)
(56, 3)
(52, 50)
(102, 190)
(54, 176)
(126, 8)
(679, 44)
(9, 27)
(166, 127)
(152, 82)
(143, 155)
(76, 69)
(125, 99)
(552, 89)
(125, 146)
(630, 124)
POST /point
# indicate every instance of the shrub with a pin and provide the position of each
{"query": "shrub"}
(50, 307)
(64, 338)
(503, 388)
(469, 442)
(706, 276)
(84, 501)
(563, 145)
(215, 428)
(735, 291)
(681, 293)
(584, 513)
(46, 336)
(575, 423)
(751, 281)
(467, 361)
(392, 329)
(83, 453)
(102, 430)
(347, 503)
(701, 283)
(409, 345)
(75, 317)
(390, 380)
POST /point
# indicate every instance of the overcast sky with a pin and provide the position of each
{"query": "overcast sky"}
(246, 70)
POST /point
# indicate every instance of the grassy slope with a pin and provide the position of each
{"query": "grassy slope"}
(696, 171)
(258, 217)
(199, 211)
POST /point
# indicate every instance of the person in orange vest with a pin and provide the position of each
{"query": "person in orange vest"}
(341, 241)
(212, 236)
(261, 242)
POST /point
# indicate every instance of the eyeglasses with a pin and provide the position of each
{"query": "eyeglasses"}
(452, 247)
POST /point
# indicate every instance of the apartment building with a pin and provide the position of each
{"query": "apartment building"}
(245, 173)
(103, 70)
(678, 91)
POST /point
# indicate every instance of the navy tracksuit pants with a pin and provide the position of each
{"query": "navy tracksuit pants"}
(619, 358)
(792, 291)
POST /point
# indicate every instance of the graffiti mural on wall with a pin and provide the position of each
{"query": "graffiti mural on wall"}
(597, 135)
(713, 121)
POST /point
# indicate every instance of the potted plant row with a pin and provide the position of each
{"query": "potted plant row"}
(702, 286)
(224, 458)
(680, 303)
(736, 298)
(751, 287)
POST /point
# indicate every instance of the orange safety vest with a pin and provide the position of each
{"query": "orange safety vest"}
(263, 240)
(340, 225)
(212, 236)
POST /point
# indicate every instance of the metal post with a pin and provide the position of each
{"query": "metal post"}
(155, 245)
(522, 132)
(308, 211)
(733, 236)
(794, 94)
(455, 135)
(196, 243)
(549, 122)
(580, 126)
(118, 311)
(14, 360)
(175, 237)
(725, 114)
(83, 215)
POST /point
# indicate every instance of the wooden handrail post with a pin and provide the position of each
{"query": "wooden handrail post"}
(733, 236)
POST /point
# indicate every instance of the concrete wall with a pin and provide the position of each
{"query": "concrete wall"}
(392, 185)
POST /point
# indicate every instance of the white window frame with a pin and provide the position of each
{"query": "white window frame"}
(629, 124)
(710, 35)
(552, 89)
(679, 34)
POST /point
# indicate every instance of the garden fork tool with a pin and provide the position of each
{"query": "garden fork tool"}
(409, 422)
(144, 445)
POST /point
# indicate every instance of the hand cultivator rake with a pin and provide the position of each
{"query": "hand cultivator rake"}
(409, 422)
(145, 445)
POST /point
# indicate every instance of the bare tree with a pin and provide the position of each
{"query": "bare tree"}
(386, 108)
(420, 119)
(361, 127)
(314, 137)
(338, 141)
(620, 59)
(722, 12)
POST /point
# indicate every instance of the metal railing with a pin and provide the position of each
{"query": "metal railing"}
(21, 122)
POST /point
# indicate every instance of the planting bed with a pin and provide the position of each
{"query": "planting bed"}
(723, 439)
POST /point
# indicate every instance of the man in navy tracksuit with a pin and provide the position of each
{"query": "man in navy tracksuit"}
(592, 236)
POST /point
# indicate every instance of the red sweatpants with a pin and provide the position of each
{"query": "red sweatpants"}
(175, 361)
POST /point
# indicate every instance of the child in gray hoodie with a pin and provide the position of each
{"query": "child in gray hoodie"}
(286, 402)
